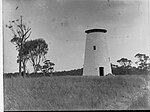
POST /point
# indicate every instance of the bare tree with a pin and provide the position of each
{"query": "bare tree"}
(21, 33)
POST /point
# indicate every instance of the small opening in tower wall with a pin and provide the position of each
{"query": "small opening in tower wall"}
(101, 71)
(94, 47)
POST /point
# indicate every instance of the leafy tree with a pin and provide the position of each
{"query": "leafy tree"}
(124, 62)
(143, 61)
(48, 66)
(21, 33)
(125, 67)
(35, 51)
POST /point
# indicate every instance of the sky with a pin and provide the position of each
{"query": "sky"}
(62, 24)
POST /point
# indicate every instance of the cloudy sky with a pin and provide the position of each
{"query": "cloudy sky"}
(62, 23)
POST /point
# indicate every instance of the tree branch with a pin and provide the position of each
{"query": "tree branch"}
(27, 36)
(27, 31)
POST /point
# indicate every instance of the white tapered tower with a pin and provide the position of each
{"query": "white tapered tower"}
(96, 59)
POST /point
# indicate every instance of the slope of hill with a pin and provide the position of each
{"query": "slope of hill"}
(73, 93)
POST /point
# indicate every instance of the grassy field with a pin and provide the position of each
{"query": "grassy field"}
(74, 92)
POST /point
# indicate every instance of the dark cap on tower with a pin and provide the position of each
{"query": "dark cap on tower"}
(96, 30)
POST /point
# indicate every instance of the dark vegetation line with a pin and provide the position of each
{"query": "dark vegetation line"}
(79, 72)
(76, 72)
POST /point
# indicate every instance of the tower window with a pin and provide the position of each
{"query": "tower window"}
(94, 47)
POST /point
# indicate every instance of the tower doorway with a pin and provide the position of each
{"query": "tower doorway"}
(101, 71)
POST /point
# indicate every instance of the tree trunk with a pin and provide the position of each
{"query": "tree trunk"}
(34, 67)
(20, 65)
(20, 52)
(24, 69)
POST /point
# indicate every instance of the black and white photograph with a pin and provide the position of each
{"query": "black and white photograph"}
(76, 55)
